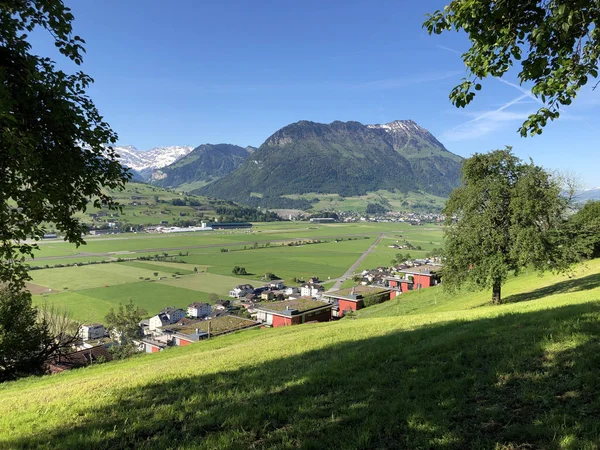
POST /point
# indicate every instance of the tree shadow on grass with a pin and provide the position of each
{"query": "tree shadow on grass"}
(518, 381)
(573, 285)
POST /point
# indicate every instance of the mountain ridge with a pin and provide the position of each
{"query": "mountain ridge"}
(205, 163)
(144, 162)
(347, 158)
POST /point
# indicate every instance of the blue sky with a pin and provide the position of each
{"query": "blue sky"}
(189, 72)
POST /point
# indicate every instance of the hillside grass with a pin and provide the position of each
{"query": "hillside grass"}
(528, 286)
(517, 376)
(394, 201)
(144, 209)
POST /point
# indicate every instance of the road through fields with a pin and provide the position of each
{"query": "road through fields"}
(350, 272)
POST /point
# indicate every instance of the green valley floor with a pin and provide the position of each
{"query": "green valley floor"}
(427, 371)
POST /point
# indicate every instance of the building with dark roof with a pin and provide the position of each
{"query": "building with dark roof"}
(293, 312)
(353, 299)
(80, 358)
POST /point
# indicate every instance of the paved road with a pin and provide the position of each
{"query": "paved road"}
(350, 272)
(260, 239)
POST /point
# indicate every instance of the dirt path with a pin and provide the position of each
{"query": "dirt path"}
(350, 272)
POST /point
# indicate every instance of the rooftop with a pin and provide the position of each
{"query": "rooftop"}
(218, 325)
(358, 290)
(424, 269)
(197, 305)
(300, 304)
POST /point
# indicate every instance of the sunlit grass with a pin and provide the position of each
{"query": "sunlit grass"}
(519, 375)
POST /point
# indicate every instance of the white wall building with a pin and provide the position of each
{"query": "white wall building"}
(199, 310)
(241, 291)
(166, 317)
(92, 331)
(311, 290)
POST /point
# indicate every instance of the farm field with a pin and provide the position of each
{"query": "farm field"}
(452, 375)
(91, 305)
(261, 233)
(88, 291)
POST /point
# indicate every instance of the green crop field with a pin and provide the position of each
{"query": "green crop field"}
(209, 282)
(92, 290)
(324, 260)
(449, 372)
(91, 305)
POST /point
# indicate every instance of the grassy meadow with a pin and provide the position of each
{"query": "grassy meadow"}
(449, 372)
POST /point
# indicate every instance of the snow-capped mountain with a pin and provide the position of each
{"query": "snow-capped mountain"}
(587, 194)
(146, 161)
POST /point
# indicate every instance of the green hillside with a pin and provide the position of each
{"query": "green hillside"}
(516, 376)
(144, 204)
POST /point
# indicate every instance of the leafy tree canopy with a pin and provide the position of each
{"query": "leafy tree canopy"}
(124, 323)
(56, 153)
(584, 229)
(21, 336)
(507, 215)
(556, 42)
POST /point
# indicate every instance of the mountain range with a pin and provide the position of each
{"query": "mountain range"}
(345, 158)
(202, 165)
(587, 195)
(144, 162)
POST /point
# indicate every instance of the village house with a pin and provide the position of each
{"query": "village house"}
(188, 331)
(152, 346)
(167, 316)
(311, 290)
(185, 332)
(416, 277)
(80, 358)
(199, 310)
(91, 331)
(267, 295)
(276, 284)
(222, 305)
(241, 290)
(158, 321)
(291, 290)
(352, 299)
(293, 312)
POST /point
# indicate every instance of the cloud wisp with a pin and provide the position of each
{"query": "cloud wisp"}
(448, 49)
(394, 83)
(486, 122)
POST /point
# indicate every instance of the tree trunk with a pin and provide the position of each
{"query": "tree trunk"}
(496, 292)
